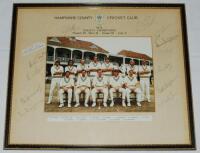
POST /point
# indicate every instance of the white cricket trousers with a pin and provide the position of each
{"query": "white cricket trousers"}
(79, 90)
(138, 92)
(69, 95)
(122, 90)
(145, 85)
(54, 82)
(97, 90)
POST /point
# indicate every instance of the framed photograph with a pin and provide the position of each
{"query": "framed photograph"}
(99, 76)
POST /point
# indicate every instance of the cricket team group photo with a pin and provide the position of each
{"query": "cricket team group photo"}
(95, 80)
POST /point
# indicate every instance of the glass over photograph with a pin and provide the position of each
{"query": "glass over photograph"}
(99, 74)
(99, 77)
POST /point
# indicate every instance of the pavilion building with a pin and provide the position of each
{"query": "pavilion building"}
(66, 48)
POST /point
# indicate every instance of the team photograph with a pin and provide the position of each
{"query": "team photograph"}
(99, 74)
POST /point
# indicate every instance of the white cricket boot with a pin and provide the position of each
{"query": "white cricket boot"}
(93, 104)
(138, 104)
(123, 104)
(69, 105)
(61, 105)
(77, 105)
(128, 104)
(112, 104)
(105, 104)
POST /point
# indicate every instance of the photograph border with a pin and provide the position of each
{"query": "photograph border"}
(190, 114)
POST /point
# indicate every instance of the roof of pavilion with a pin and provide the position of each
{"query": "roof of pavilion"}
(132, 54)
(72, 42)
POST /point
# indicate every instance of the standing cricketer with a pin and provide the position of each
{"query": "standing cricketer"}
(93, 67)
(56, 73)
(145, 73)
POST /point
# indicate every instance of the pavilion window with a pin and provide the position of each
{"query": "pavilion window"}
(116, 60)
(88, 56)
(127, 60)
(136, 61)
(101, 57)
(77, 55)
(50, 53)
(63, 54)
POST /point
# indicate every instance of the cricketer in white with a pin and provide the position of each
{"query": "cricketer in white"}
(71, 68)
(93, 67)
(66, 86)
(107, 68)
(82, 85)
(100, 84)
(82, 66)
(131, 85)
(116, 85)
(145, 73)
(132, 66)
(56, 73)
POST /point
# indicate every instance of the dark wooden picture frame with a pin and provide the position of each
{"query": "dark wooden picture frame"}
(191, 146)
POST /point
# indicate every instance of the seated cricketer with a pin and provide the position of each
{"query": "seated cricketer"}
(100, 84)
(116, 85)
(66, 85)
(82, 85)
(131, 85)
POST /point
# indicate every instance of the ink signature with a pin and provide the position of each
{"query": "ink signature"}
(167, 84)
(165, 67)
(28, 101)
(162, 37)
(144, 23)
(35, 47)
(35, 66)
